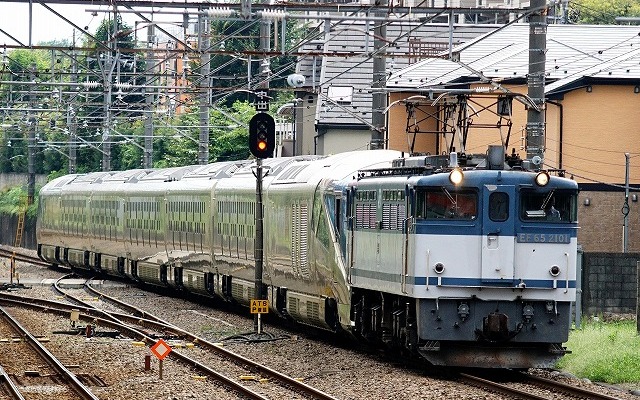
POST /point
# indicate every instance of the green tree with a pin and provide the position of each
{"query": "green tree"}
(602, 12)
(229, 71)
(229, 140)
(21, 66)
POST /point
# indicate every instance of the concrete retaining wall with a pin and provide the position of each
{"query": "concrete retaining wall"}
(8, 224)
(609, 283)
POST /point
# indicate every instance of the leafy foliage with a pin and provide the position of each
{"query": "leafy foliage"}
(14, 200)
(176, 136)
(601, 12)
(230, 70)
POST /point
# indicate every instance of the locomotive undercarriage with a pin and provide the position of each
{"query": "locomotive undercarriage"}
(499, 334)
(464, 332)
(384, 318)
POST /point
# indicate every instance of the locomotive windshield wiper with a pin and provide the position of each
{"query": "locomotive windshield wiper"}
(541, 213)
(451, 199)
(547, 199)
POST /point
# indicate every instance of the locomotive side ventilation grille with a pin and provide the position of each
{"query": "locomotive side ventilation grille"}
(366, 216)
(393, 216)
(299, 240)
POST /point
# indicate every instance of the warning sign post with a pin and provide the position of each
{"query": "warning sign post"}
(161, 350)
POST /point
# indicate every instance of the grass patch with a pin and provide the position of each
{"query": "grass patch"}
(604, 352)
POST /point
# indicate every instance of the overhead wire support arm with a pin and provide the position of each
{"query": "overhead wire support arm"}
(98, 42)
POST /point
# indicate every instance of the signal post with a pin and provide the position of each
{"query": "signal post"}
(262, 138)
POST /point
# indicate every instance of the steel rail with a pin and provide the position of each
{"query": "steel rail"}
(8, 383)
(160, 324)
(569, 389)
(24, 258)
(148, 320)
(156, 323)
(499, 388)
(548, 384)
(125, 306)
(81, 390)
(230, 383)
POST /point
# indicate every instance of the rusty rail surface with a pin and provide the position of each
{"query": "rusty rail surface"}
(525, 378)
(95, 316)
(11, 388)
(81, 390)
(18, 256)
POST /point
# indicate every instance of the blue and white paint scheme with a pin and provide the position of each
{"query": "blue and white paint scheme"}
(490, 259)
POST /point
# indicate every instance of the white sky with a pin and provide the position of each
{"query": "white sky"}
(14, 20)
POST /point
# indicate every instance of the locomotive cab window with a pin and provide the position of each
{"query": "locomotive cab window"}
(499, 206)
(551, 206)
(440, 203)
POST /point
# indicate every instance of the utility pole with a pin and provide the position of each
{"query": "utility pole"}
(205, 98)
(71, 114)
(147, 157)
(536, 80)
(107, 74)
(31, 147)
(625, 207)
(379, 100)
(265, 71)
(71, 129)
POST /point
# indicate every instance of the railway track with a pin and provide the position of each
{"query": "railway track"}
(28, 347)
(249, 370)
(19, 256)
(525, 385)
(521, 386)
(9, 388)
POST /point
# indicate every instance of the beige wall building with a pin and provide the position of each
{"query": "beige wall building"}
(592, 119)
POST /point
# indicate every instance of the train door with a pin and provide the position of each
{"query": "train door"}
(408, 231)
(350, 230)
(498, 234)
(168, 222)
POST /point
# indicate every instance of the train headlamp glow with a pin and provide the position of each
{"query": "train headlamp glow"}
(542, 179)
(456, 176)
(554, 271)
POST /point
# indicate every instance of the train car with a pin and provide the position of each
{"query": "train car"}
(468, 261)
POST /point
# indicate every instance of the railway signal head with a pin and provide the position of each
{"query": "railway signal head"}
(262, 135)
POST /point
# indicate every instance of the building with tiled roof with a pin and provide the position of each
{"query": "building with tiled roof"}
(333, 111)
(479, 97)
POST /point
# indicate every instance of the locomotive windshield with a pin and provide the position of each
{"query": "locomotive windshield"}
(552, 206)
(439, 203)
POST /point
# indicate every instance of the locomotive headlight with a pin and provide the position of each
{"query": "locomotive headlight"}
(456, 176)
(554, 271)
(439, 268)
(542, 179)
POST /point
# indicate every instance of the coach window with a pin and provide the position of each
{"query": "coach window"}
(499, 206)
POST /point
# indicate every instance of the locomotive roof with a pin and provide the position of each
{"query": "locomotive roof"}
(472, 178)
